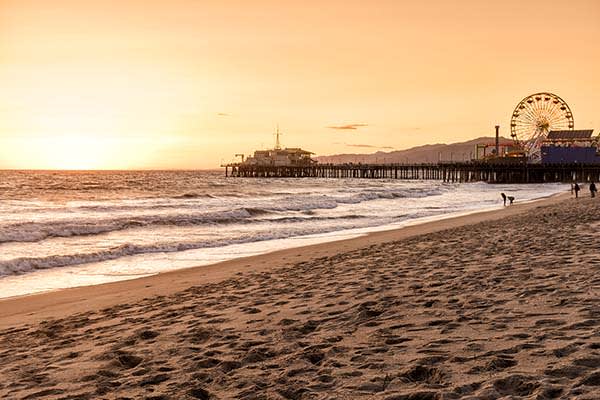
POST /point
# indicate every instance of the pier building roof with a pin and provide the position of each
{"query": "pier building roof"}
(581, 134)
(297, 150)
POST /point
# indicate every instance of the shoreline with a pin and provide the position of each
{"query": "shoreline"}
(32, 308)
(17, 285)
(500, 304)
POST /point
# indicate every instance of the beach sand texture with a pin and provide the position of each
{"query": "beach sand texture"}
(506, 308)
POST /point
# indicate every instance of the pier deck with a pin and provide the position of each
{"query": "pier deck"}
(447, 172)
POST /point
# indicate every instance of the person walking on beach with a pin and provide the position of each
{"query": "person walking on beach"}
(593, 189)
(503, 197)
(577, 189)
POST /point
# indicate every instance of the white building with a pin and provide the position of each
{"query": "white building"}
(281, 157)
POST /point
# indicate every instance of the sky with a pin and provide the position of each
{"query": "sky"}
(185, 84)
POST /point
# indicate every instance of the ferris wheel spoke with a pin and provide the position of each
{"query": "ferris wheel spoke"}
(555, 116)
(547, 102)
(540, 106)
(520, 129)
(546, 109)
(527, 108)
(521, 121)
(560, 118)
(526, 111)
(558, 121)
(533, 114)
(556, 111)
(554, 107)
(523, 107)
(525, 119)
(526, 124)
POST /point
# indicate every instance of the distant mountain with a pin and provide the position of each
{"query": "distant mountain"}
(429, 153)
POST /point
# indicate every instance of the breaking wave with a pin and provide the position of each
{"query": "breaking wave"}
(37, 231)
(23, 265)
(106, 220)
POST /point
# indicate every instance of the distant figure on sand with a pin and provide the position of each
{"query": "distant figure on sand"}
(593, 189)
(577, 189)
(505, 197)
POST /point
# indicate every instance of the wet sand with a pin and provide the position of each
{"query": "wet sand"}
(502, 304)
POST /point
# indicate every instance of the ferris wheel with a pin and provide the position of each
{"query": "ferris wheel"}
(534, 117)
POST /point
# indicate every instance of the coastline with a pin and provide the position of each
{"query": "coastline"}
(136, 265)
(55, 304)
(499, 304)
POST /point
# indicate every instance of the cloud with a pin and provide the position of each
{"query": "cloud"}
(347, 127)
(222, 114)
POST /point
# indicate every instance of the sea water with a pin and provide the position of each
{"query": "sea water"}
(64, 229)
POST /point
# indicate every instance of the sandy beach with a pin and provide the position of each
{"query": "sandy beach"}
(501, 304)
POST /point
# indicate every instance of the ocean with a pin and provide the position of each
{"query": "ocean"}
(64, 229)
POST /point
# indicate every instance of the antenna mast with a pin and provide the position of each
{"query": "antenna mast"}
(277, 143)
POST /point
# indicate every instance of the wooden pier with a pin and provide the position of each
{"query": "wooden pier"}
(447, 172)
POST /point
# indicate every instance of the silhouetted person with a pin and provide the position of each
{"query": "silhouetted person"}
(577, 189)
(510, 199)
(503, 197)
(593, 189)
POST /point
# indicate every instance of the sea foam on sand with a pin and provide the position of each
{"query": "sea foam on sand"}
(496, 305)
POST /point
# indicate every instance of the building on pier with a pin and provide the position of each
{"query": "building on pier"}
(279, 157)
(570, 146)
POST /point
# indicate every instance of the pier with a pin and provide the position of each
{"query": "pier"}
(447, 172)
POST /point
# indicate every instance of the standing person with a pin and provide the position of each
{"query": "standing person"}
(577, 189)
(503, 197)
(593, 189)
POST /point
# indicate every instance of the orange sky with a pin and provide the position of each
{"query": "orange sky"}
(187, 84)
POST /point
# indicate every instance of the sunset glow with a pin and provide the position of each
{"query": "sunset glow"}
(279, 199)
(187, 84)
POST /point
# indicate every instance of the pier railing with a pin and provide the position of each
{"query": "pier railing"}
(447, 172)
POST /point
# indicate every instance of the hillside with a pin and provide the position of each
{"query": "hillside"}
(422, 154)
